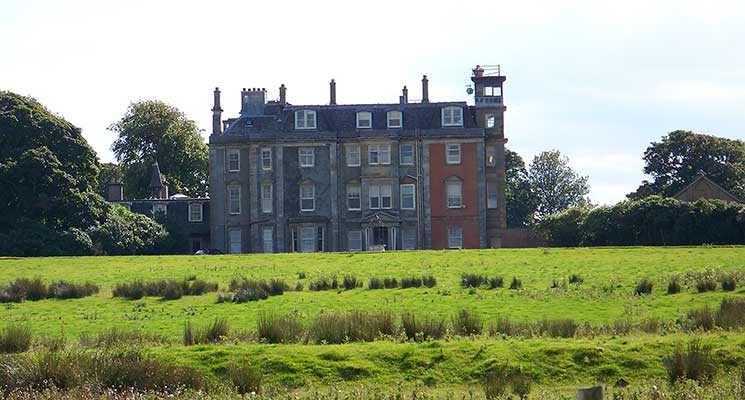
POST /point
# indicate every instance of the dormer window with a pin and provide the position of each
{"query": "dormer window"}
(305, 119)
(394, 119)
(364, 120)
(452, 116)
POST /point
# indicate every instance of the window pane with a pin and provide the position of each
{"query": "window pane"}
(354, 239)
(373, 154)
(407, 197)
(235, 241)
(394, 119)
(385, 154)
(491, 156)
(385, 196)
(374, 197)
(407, 154)
(266, 158)
(268, 239)
(310, 119)
(455, 237)
(234, 200)
(307, 197)
(195, 212)
(307, 239)
(234, 160)
(454, 192)
(490, 121)
(300, 119)
(266, 197)
(408, 239)
(453, 153)
(353, 155)
(306, 157)
(353, 197)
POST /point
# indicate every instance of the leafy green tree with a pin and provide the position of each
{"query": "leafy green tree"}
(154, 131)
(674, 162)
(520, 203)
(127, 233)
(555, 185)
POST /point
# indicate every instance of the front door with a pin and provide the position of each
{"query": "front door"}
(380, 237)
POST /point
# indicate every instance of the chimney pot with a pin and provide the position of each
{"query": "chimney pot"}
(425, 89)
(332, 95)
(282, 94)
(405, 96)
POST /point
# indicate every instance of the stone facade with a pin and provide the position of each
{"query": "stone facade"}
(339, 177)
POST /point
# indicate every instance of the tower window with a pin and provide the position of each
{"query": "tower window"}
(490, 121)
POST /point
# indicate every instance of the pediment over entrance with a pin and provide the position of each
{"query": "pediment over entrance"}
(381, 218)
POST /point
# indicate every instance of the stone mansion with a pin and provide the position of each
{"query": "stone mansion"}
(353, 177)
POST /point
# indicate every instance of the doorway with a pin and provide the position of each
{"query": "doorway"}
(380, 237)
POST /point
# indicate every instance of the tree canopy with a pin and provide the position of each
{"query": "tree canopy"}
(674, 162)
(555, 186)
(154, 131)
(519, 199)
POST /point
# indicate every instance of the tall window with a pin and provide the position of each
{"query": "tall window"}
(266, 158)
(455, 193)
(195, 212)
(491, 195)
(353, 155)
(408, 239)
(234, 199)
(307, 197)
(353, 197)
(408, 201)
(234, 240)
(354, 240)
(234, 160)
(373, 154)
(380, 196)
(491, 156)
(307, 239)
(267, 236)
(455, 237)
(452, 116)
(490, 121)
(385, 153)
(453, 153)
(394, 119)
(266, 197)
(364, 120)
(305, 119)
(306, 156)
(406, 154)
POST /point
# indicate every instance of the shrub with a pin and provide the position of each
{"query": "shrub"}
(255, 290)
(299, 287)
(643, 287)
(705, 281)
(173, 290)
(301, 275)
(130, 291)
(701, 319)
(353, 326)
(574, 278)
(274, 329)
(278, 287)
(472, 280)
(168, 289)
(390, 283)
(68, 290)
(245, 377)
(411, 282)
(729, 282)
(516, 283)
(495, 382)
(322, 283)
(198, 287)
(15, 338)
(673, 286)
(429, 281)
(466, 323)
(350, 282)
(495, 282)
(693, 363)
(420, 329)
(375, 283)
(27, 289)
(731, 313)
(562, 328)
(521, 384)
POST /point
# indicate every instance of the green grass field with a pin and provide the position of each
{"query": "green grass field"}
(606, 295)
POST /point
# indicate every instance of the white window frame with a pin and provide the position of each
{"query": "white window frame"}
(373, 148)
(356, 238)
(402, 189)
(237, 200)
(354, 189)
(373, 193)
(267, 197)
(267, 242)
(305, 119)
(301, 156)
(386, 192)
(457, 201)
(452, 116)
(237, 154)
(408, 237)
(401, 154)
(160, 208)
(455, 237)
(490, 121)
(391, 116)
(312, 197)
(266, 155)
(192, 209)
(384, 154)
(360, 118)
(456, 147)
(353, 150)
(308, 234)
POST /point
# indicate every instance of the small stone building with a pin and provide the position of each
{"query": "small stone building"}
(704, 188)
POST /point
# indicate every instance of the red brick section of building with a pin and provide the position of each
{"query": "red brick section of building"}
(443, 217)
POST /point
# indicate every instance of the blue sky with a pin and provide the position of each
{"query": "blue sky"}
(596, 80)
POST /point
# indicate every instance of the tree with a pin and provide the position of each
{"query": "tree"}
(110, 173)
(127, 233)
(154, 131)
(555, 185)
(520, 203)
(675, 161)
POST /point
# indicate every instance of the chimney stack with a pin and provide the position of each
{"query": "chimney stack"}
(282, 95)
(425, 89)
(332, 87)
(405, 92)
(216, 114)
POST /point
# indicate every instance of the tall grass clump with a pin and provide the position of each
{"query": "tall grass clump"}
(694, 363)
(421, 329)
(706, 281)
(728, 281)
(558, 328)
(245, 378)
(278, 329)
(214, 332)
(429, 281)
(472, 280)
(375, 283)
(466, 323)
(168, 289)
(731, 313)
(673, 285)
(247, 290)
(355, 326)
(411, 282)
(516, 283)
(643, 287)
(351, 282)
(15, 338)
(495, 282)
(323, 283)
(496, 382)
(68, 290)
(574, 278)
(23, 289)
(390, 283)
(701, 318)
